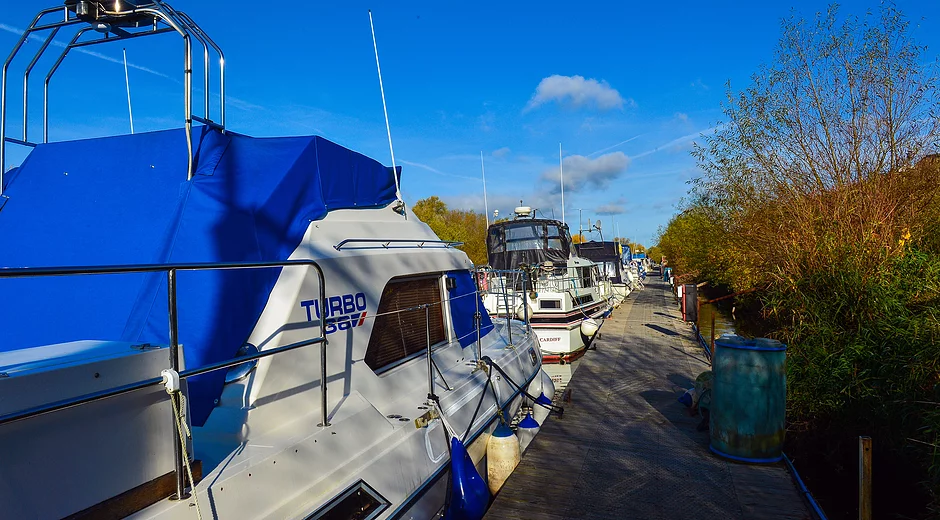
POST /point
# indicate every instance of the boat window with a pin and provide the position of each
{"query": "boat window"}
(586, 279)
(556, 237)
(549, 304)
(524, 237)
(401, 330)
(495, 242)
(358, 502)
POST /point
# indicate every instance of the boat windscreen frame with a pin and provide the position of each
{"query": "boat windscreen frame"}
(546, 241)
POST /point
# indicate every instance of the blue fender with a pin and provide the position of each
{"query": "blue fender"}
(469, 495)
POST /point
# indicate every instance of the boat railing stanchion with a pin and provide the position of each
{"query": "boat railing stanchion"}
(525, 302)
(427, 332)
(505, 278)
(324, 413)
(477, 317)
(175, 366)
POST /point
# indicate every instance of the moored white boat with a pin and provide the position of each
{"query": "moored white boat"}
(607, 256)
(263, 314)
(556, 290)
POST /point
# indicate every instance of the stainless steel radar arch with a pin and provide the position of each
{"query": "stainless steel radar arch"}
(120, 20)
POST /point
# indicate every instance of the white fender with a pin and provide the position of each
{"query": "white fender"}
(502, 456)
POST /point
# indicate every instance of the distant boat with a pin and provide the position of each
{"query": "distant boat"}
(272, 297)
(607, 256)
(563, 298)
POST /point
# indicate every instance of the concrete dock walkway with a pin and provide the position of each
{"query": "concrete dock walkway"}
(625, 448)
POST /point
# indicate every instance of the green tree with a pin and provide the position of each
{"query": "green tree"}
(816, 189)
(811, 150)
(468, 227)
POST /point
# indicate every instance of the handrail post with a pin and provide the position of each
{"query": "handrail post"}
(477, 317)
(427, 332)
(175, 365)
(525, 302)
(505, 278)
(324, 413)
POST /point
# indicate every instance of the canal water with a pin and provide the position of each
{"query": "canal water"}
(561, 374)
(724, 320)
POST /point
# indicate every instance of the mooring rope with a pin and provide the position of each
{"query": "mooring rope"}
(181, 427)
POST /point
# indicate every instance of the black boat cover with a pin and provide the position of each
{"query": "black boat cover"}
(527, 241)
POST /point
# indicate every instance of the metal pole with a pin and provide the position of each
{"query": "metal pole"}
(3, 82)
(188, 101)
(477, 317)
(525, 304)
(713, 332)
(127, 84)
(205, 38)
(52, 71)
(506, 303)
(561, 169)
(864, 478)
(324, 414)
(388, 128)
(427, 331)
(486, 208)
(175, 365)
(29, 68)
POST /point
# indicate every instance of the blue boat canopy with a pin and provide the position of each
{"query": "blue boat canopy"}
(125, 200)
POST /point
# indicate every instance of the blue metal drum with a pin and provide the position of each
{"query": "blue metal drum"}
(749, 399)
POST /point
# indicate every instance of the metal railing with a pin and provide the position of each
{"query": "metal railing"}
(113, 26)
(399, 243)
(171, 271)
(510, 289)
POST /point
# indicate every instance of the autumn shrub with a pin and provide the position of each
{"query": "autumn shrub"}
(820, 190)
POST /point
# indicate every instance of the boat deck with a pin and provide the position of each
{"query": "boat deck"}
(626, 448)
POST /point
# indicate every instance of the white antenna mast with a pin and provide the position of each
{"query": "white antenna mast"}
(486, 208)
(388, 128)
(127, 83)
(561, 166)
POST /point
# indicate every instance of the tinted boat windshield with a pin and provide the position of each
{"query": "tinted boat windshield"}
(527, 242)
(521, 237)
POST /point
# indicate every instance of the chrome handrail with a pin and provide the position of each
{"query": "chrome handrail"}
(386, 242)
(171, 270)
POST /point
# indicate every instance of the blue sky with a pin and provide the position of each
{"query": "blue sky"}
(626, 87)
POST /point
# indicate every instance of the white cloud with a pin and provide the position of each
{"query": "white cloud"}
(698, 84)
(583, 172)
(617, 207)
(681, 116)
(577, 92)
(501, 152)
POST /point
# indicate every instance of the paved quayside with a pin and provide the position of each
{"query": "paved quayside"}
(625, 448)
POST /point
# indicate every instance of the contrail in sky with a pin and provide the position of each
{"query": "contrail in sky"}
(439, 172)
(61, 45)
(680, 140)
(614, 146)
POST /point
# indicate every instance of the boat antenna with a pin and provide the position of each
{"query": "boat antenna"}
(388, 128)
(486, 208)
(127, 83)
(561, 168)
